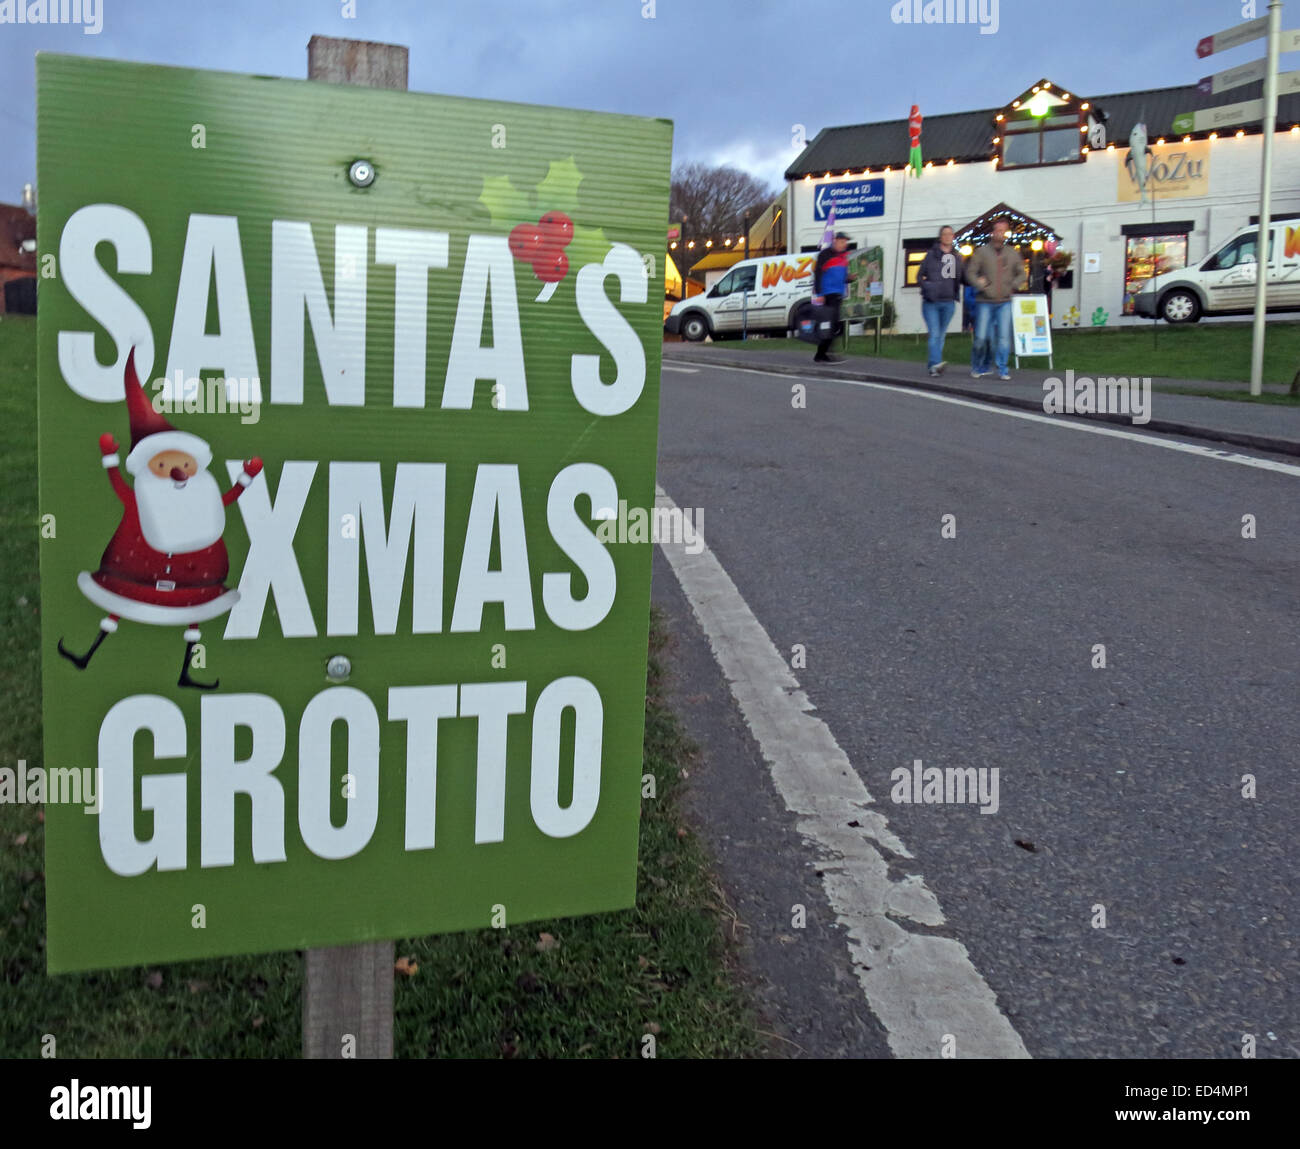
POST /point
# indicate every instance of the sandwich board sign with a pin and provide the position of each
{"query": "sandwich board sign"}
(336, 388)
(1031, 327)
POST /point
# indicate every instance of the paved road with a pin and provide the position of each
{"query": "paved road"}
(1119, 787)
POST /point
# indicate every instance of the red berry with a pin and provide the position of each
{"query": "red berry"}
(526, 242)
(558, 227)
(552, 268)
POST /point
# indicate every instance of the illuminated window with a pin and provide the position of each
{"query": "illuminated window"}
(1041, 132)
(914, 252)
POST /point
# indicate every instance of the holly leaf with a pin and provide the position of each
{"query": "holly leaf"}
(558, 190)
(506, 204)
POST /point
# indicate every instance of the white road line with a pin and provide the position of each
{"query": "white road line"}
(1051, 421)
(921, 987)
(682, 370)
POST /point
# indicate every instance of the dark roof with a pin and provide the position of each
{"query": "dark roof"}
(16, 225)
(968, 136)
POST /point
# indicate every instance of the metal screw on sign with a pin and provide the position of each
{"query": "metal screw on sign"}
(338, 668)
(362, 173)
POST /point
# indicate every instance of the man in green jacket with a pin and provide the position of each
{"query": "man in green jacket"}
(996, 271)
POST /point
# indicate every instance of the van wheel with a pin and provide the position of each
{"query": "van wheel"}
(695, 327)
(1180, 307)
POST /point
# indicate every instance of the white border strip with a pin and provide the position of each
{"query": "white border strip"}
(924, 989)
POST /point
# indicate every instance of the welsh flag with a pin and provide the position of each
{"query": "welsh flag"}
(914, 130)
(829, 234)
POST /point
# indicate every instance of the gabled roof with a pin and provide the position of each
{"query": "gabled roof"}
(967, 137)
(1057, 93)
(1023, 227)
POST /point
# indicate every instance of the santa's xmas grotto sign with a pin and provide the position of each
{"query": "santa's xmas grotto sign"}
(335, 387)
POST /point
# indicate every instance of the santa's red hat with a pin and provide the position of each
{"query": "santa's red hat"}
(151, 433)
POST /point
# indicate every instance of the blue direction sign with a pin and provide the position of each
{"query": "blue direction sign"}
(851, 200)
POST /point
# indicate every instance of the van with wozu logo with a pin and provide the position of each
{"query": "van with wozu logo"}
(766, 295)
(1223, 282)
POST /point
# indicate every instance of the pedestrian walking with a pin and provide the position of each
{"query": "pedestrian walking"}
(940, 278)
(996, 271)
(830, 279)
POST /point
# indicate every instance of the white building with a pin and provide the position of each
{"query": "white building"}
(1059, 162)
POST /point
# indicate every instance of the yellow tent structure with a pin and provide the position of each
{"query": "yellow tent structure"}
(672, 279)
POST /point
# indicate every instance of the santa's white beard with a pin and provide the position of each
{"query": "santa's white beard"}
(175, 519)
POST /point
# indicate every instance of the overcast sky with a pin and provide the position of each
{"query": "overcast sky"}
(734, 75)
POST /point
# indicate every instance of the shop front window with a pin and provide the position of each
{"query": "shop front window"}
(1148, 256)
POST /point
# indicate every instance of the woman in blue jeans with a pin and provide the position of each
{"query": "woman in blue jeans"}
(941, 281)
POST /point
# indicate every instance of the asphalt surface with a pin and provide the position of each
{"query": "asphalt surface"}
(1119, 787)
(1260, 426)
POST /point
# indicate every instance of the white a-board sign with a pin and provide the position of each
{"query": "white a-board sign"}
(1031, 327)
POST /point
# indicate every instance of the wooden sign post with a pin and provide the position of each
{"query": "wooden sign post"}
(347, 991)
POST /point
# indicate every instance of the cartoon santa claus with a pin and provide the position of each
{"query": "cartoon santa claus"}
(166, 564)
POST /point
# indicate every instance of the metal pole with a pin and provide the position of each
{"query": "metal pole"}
(1155, 270)
(1265, 199)
(899, 254)
(744, 295)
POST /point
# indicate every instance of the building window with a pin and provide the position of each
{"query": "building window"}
(914, 252)
(1029, 141)
(737, 279)
(1152, 250)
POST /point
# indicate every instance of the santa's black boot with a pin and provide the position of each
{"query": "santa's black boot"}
(192, 637)
(106, 627)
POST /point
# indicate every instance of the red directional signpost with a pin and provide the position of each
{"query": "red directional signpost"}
(334, 385)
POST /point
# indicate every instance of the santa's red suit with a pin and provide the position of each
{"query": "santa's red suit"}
(134, 580)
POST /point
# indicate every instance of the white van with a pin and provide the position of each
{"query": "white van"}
(765, 294)
(1224, 282)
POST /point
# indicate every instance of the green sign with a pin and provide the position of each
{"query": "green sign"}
(336, 386)
(866, 289)
(1224, 116)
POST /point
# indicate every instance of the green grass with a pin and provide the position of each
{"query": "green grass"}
(1215, 352)
(666, 967)
(1277, 398)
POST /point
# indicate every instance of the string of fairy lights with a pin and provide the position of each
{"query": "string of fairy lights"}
(1034, 104)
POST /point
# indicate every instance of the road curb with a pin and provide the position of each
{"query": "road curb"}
(1270, 443)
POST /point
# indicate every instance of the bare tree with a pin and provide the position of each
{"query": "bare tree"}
(714, 201)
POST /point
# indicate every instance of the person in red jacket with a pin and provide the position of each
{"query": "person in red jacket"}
(166, 564)
(830, 279)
